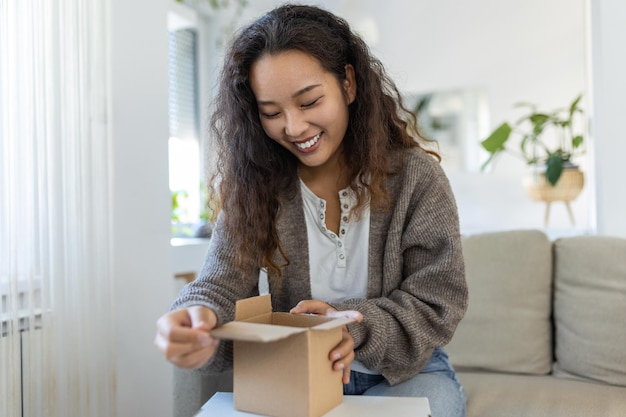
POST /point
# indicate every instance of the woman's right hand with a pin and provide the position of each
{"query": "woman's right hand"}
(183, 336)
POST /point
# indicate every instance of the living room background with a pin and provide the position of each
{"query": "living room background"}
(582, 48)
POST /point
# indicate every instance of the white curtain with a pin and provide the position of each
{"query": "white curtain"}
(57, 341)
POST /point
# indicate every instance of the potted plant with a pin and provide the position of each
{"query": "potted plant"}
(535, 128)
(549, 142)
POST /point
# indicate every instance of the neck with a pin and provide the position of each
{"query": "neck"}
(331, 176)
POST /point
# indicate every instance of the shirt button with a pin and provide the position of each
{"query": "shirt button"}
(342, 256)
(322, 216)
(321, 204)
(339, 244)
(345, 218)
(345, 206)
(345, 193)
(343, 231)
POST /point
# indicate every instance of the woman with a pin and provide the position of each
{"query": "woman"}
(323, 187)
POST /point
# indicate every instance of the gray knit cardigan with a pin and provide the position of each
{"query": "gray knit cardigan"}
(417, 292)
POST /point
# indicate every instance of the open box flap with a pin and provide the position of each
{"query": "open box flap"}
(255, 332)
(253, 306)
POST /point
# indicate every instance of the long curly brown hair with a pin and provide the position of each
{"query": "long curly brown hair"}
(254, 172)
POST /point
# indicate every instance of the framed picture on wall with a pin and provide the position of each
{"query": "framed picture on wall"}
(458, 120)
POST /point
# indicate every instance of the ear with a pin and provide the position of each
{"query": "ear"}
(349, 84)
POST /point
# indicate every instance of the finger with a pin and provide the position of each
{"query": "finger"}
(182, 357)
(175, 338)
(311, 307)
(346, 375)
(196, 359)
(172, 350)
(202, 318)
(345, 347)
(343, 361)
(343, 355)
(177, 318)
(343, 365)
(178, 334)
(174, 324)
(184, 325)
(194, 341)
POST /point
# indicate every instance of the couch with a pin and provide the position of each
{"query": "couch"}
(545, 330)
(544, 334)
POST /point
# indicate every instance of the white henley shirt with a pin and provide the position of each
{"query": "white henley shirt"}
(338, 263)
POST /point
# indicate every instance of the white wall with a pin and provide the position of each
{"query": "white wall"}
(609, 90)
(517, 50)
(520, 50)
(144, 285)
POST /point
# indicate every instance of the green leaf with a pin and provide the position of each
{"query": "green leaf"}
(554, 168)
(539, 118)
(524, 143)
(487, 162)
(539, 121)
(495, 142)
(574, 106)
(577, 141)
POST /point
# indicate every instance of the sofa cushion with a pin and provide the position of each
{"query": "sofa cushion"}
(590, 308)
(507, 395)
(507, 326)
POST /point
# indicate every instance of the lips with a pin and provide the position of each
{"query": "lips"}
(309, 143)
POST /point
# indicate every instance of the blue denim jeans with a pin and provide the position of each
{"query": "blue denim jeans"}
(437, 381)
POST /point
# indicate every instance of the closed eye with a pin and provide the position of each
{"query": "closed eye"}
(270, 115)
(311, 103)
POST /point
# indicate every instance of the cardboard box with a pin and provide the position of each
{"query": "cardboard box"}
(281, 365)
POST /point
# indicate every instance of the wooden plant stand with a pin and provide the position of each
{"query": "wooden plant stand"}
(567, 188)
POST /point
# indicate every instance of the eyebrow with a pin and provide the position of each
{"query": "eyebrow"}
(296, 94)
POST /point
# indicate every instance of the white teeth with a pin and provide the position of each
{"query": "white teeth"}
(309, 143)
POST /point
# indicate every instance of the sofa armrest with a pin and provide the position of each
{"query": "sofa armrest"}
(192, 390)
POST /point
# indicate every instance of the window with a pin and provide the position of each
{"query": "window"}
(184, 142)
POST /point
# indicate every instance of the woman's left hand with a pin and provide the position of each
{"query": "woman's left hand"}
(343, 354)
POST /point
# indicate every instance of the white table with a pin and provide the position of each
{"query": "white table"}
(221, 405)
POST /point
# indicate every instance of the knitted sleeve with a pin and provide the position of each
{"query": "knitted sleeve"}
(417, 288)
(218, 286)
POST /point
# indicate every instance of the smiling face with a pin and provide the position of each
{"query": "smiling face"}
(303, 107)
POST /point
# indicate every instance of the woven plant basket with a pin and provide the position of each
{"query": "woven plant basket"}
(567, 188)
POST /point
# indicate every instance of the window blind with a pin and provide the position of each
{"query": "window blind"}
(57, 339)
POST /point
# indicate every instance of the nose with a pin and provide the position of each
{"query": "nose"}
(295, 124)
